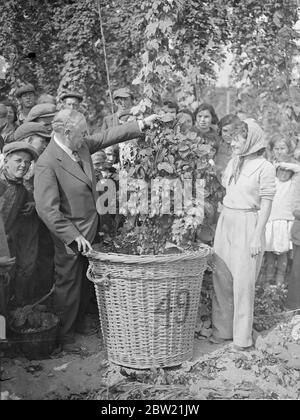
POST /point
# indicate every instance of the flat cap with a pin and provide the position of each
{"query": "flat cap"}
(71, 94)
(45, 98)
(29, 129)
(122, 93)
(17, 146)
(25, 89)
(41, 110)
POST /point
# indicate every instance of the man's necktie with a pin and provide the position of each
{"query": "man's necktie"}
(77, 159)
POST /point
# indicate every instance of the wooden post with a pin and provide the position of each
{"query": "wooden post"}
(228, 97)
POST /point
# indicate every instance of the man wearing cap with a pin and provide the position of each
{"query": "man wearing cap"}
(65, 196)
(123, 100)
(71, 100)
(27, 99)
(16, 203)
(42, 113)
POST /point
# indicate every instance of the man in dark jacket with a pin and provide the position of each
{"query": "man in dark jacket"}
(123, 100)
(65, 196)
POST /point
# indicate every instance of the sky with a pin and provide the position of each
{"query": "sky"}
(225, 71)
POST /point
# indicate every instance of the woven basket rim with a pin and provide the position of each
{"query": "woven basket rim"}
(203, 252)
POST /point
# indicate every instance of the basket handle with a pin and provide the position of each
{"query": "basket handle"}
(105, 279)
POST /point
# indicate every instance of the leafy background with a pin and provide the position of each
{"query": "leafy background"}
(163, 45)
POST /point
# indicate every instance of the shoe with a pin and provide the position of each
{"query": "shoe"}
(242, 349)
(217, 340)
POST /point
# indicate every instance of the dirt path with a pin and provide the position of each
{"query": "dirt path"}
(66, 375)
(270, 371)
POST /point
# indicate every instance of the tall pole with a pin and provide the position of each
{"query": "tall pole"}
(228, 95)
(105, 55)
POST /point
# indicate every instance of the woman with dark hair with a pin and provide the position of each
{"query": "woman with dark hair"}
(11, 126)
(205, 118)
(249, 180)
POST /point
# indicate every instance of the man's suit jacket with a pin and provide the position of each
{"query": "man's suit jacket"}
(110, 121)
(65, 195)
(115, 119)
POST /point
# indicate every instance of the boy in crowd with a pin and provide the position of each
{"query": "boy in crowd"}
(16, 203)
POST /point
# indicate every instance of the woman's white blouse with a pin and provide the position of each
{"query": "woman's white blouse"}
(256, 181)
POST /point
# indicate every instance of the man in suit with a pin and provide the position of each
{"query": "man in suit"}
(65, 195)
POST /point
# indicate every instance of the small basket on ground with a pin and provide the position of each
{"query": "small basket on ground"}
(37, 344)
(148, 305)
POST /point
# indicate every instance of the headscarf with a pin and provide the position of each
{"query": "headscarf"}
(255, 141)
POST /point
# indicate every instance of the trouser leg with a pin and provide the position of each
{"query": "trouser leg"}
(282, 262)
(72, 293)
(86, 295)
(245, 270)
(45, 262)
(270, 267)
(26, 258)
(222, 304)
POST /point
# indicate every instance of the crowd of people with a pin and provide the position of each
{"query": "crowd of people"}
(50, 165)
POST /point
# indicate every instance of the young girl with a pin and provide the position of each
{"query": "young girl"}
(278, 228)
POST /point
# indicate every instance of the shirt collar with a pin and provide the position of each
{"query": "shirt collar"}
(64, 147)
(18, 181)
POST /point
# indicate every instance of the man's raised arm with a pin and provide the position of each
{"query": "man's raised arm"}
(118, 134)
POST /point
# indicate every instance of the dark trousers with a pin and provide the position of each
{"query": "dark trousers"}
(293, 298)
(24, 246)
(44, 272)
(72, 289)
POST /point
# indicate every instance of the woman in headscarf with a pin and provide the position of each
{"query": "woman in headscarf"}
(249, 180)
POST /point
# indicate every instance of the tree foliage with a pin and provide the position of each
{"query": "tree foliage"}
(265, 45)
(57, 44)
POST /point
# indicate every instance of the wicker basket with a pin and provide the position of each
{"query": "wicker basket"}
(148, 305)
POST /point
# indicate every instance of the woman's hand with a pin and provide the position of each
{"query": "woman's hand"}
(256, 246)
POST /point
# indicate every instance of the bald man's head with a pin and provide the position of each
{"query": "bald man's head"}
(66, 118)
(71, 128)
